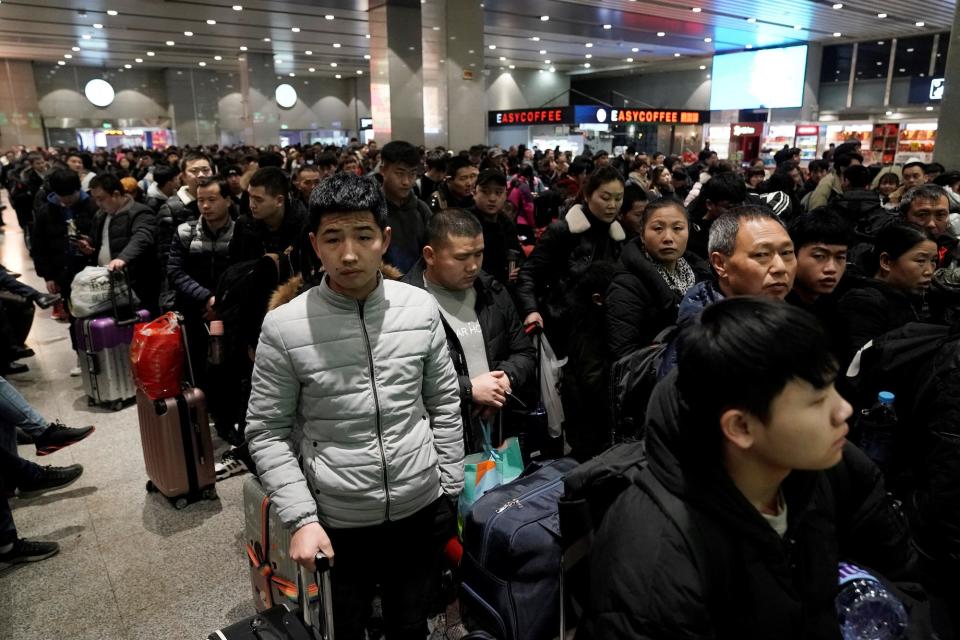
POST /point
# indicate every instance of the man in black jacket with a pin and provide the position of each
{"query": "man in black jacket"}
(492, 355)
(753, 495)
(501, 245)
(456, 191)
(122, 237)
(407, 215)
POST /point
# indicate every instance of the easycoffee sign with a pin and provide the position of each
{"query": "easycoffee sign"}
(585, 114)
(528, 117)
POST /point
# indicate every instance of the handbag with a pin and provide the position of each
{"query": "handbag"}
(488, 469)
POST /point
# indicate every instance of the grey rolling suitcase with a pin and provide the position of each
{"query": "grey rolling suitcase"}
(273, 573)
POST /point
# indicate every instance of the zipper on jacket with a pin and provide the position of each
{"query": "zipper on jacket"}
(376, 404)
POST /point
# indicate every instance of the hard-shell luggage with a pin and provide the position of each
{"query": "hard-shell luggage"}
(311, 620)
(103, 345)
(511, 568)
(177, 447)
(273, 574)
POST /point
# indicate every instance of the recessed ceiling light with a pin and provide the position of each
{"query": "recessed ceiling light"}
(188, 33)
(910, 50)
(151, 53)
(170, 43)
(708, 40)
(535, 39)
(929, 108)
(546, 62)
(336, 45)
(68, 55)
(211, 22)
(629, 59)
(333, 64)
(503, 59)
(837, 34)
(901, 70)
(111, 12)
(367, 36)
(838, 5)
(702, 67)
(308, 52)
(243, 47)
(696, 9)
(921, 75)
(588, 45)
(920, 23)
(238, 7)
(544, 18)
(218, 58)
(676, 55)
(61, 62)
(491, 47)
(366, 56)
(138, 60)
(85, 36)
(329, 17)
(338, 76)
(889, 113)
(553, 69)
(608, 27)
(312, 69)
(512, 66)
(797, 27)
(360, 71)
(880, 42)
(266, 39)
(75, 48)
(751, 20)
(97, 25)
(543, 52)
(660, 34)
(295, 29)
(586, 65)
(881, 15)
(278, 60)
(588, 56)
(128, 66)
(292, 74)
(879, 64)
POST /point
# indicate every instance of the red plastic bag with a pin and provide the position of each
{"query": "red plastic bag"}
(156, 357)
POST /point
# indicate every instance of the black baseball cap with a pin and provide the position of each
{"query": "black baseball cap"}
(233, 170)
(491, 175)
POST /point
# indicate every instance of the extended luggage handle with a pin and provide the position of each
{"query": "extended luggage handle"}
(322, 623)
(186, 346)
(112, 277)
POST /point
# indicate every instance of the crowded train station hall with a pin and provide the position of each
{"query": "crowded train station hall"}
(443, 320)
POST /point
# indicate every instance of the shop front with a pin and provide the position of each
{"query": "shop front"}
(125, 133)
(745, 139)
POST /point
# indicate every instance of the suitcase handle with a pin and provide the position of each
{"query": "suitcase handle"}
(113, 276)
(322, 622)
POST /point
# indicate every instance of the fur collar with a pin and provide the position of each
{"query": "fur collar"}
(578, 222)
(295, 286)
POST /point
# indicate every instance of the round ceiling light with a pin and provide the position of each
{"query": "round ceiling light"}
(99, 92)
(286, 96)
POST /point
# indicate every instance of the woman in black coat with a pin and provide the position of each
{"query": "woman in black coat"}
(655, 272)
(587, 234)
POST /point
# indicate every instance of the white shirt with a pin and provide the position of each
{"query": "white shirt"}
(103, 258)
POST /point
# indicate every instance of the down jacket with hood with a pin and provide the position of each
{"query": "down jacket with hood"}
(365, 393)
(745, 581)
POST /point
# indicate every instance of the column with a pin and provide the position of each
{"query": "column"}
(396, 66)
(947, 149)
(192, 100)
(19, 106)
(465, 82)
(259, 81)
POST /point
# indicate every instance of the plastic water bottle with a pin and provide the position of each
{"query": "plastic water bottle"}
(878, 430)
(866, 609)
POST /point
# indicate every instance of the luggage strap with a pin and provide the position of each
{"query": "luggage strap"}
(260, 562)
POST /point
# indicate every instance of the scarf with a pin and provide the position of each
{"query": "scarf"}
(680, 280)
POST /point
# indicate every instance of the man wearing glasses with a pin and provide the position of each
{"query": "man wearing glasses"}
(407, 215)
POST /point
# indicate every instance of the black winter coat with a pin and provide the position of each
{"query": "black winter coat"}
(409, 224)
(508, 347)
(499, 238)
(53, 256)
(871, 308)
(745, 582)
(565, 251)
(132, 239)
(639, 303)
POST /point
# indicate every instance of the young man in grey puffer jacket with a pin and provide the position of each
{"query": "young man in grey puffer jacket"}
(353, 376)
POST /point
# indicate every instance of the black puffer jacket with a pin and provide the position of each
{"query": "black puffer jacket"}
(54, 257)
(132, 240)
(745, 581)
(870, 308)
(565, 251)
(639, 303)
(508, 347)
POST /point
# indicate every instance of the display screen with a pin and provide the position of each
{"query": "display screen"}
(765, 79)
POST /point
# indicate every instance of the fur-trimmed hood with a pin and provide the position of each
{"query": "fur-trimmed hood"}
(578, 222)
(296, 285)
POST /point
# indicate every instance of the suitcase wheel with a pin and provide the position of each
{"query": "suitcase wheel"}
(209, 494)
(181, 503)
(151, 488)
(117, 405)
(91, 402)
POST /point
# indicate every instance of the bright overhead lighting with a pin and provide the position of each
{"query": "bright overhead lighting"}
(708, 40)
(328, 17)
(75, 48)
(535, 39)
(312, 69)
(512, 66)
(797, 27)
(308, 52)
(202, 63)
(243, 47)
(503, 59)
(338, 76)
(333, 64)
(543, 52)
(608, 27)
(367, 36)
(910, 50)
(188, 33)
(629, 59)
(292, 74)
(696, 9)
(879, 64)
(360, 71)
(128, 66)
(661, 34)
(837, 34)
(151, 53)
(920, 23)
(491, 47)
(881, 15)
(295, 29)
(546, 62)
(85, 36)
(880, 42)
(111, 12)
(544, 18)
(266, 39)
(68, 55)
(676, 55)
(749, 46)
(553, 69)
(238, 7)
(751, 20)
(138, 60)
(635, 49)
(901, 70)
(366, 56)
(889, 113)
(586, 65)
(588, 56)
(838, 5)
(218, 58)
(211, 22)
(97, 25)
(61, 62)
(702, 67)
(170, 43)
(929, 108)
(588, 45)
(278, 60)
(336, 45)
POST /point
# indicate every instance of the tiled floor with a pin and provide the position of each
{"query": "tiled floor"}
(130, 566)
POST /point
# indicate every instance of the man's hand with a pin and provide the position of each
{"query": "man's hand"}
(513, 278)
(116, 264)
(533, 317)
(83, 244)
(52, 287)
(209, 313)
(305, 543)
(491, 389)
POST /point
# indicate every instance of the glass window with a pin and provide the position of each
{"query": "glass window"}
(836, 63)
(913, 56)
(873, 59)
(940, 64)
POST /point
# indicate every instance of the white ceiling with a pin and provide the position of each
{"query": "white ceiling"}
(47, 30)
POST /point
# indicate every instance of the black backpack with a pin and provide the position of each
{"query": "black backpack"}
(632, 379)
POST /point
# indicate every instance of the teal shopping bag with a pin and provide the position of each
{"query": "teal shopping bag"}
(489, 469)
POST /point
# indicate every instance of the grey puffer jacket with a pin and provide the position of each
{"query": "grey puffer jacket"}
(365, 392)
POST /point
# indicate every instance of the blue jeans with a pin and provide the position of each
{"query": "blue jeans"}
(15, 412)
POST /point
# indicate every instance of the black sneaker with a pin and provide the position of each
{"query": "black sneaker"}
(29, 551)
(23, 437)
(230, 465)
(50, 479)
(57, 436)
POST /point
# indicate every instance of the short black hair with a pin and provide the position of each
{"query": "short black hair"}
(455, 223)
(915, 163)
(193, 156)
(401, 152)
(306, 167)
(818, 165)
(857, 175)
(271, 159)
(633, 193)
(64, 182)
(326, 159)
(843, 160)
(346, 192)
(437, 160)
(822, 225)
(760, 345)
(164, 174)
(85, 158)
(492, 175)
(755, 171)
(578, 168)
(724, 187)
(108, 182)
(272, 179)
(456, 163)
(661, 204)
(889, 176)
(947, 179)
(218, 181)
(934, 167)
(601, 176)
